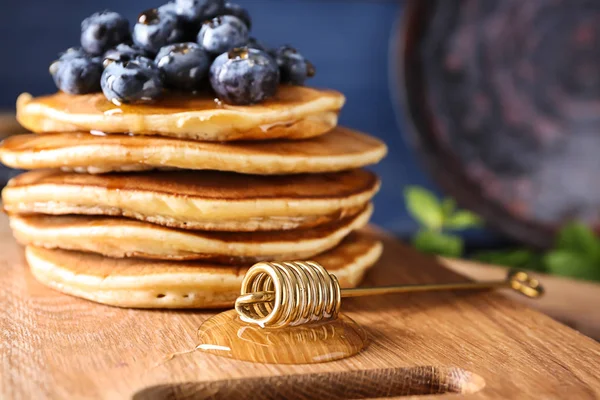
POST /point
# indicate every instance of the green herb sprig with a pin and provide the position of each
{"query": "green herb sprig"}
(576, 253)
(437, 219)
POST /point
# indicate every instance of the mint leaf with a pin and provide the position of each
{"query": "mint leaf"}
(438, 243)
(572, 264)
(448, 207)
(578, 238)
(462, 220)
(516, 258)
(424, 207)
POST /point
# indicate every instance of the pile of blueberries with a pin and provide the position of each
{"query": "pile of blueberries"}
(185, 45)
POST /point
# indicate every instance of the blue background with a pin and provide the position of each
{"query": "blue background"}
(348, 41)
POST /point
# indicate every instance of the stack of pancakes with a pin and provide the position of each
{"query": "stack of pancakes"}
(171, 214)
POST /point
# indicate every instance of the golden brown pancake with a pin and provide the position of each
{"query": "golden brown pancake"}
(295, 112)
(130, 282)
(338, 150)
(201, 200)
(119, 237)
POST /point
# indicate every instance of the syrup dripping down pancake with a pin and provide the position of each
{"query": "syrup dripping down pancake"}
(138, 283)
(295, 112)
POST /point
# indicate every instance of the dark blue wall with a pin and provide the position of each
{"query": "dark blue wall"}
(348, 41)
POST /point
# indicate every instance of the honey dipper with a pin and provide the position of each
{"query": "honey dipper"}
(279, 294)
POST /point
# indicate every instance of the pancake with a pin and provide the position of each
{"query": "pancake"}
(199, 200)
(295, 112)
(339, 150)
(118, 238)
(130, 282)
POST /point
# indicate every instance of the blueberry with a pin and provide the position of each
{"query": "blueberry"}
(156, 28)
(125, 52)
(190, 29)
(184, 65)
(244, 76)
(238, 11)
(76, 74)
(199, 10)
(254, 43)
(293, 67)
(133, 81)
(103, 30)
(222, 34)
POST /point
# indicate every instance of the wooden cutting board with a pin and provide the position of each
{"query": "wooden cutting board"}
(479, 344)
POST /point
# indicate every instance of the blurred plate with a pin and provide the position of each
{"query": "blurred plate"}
(503, 103)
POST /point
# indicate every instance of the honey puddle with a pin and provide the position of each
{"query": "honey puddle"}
(226, 335)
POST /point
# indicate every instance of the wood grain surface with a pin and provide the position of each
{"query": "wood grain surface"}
(572, 302)
(480, 344)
